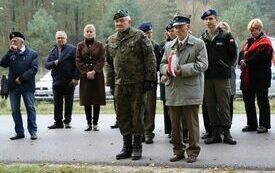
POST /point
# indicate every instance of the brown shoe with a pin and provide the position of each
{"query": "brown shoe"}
(191, 159)
(176, 158)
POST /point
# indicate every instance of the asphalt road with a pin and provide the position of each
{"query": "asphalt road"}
(253, 151)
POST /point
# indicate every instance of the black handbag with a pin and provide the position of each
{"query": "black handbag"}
(4, 87)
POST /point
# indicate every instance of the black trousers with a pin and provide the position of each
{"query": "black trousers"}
(167, 120)
(206, 120)
(263, 104)
(88, 112)
(61, 93)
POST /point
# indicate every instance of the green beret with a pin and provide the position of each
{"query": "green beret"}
(121, 13)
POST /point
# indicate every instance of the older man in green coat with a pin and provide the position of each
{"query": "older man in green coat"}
(183, 66)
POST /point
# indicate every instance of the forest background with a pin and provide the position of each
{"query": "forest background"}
(40, 19)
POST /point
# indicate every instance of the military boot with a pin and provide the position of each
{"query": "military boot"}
(215, 138)
(126, 150)
(227, 136)
(137, 148)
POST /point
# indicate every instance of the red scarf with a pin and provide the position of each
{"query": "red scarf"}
(260, 45)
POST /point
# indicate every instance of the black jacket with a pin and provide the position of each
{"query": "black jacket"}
(222, 53)
(66, 69)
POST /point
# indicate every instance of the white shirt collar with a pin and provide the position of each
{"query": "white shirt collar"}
(23, 48)
(183, 41)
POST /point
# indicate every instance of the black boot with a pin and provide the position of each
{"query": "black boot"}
(227, 136)
(115, 126)
(215, 138)
(126, 150)
(137, 147)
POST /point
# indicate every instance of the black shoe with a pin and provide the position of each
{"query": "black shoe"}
(56, 126)
(96, 128)
(169, 136)
(67, 125)
(262, 129)
(248, 128)
(148, 140)
(176, 158)
(17, 136)
(115, 126)
(89, 128)
(206, 135)
(33, 136)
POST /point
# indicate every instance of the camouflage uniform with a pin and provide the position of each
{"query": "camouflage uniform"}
(130, 62)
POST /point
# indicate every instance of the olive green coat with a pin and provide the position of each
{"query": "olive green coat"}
(129, 58)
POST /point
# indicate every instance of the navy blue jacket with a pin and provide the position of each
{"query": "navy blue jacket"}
(24, 66)
(65, 70)
(222, 54)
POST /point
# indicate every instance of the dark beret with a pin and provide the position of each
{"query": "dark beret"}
(180, 20)
(209, 12)
(169, 25)
(16, 34)
(145, 26)
(121, 13)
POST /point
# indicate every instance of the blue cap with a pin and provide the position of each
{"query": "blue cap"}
(169, 25)
(145, 26)
(209, 12)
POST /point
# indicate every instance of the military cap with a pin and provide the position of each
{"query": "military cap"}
(121, 13)
(169, 25)
(16, 34)
(209, 12)
(145, 26)
(181, 20)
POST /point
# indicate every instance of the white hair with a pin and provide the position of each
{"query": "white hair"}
(63, 33)
(128, 17)
(21, 39)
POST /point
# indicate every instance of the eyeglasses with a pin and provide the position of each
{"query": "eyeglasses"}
(60, 37)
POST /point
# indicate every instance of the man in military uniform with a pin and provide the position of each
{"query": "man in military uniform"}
(130, 70)
(150, 96)
(221, 50)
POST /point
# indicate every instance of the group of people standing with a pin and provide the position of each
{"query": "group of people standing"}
(193, 72)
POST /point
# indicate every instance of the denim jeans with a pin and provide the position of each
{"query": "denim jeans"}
(28, 98)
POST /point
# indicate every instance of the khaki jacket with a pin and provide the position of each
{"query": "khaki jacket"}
(186, 89)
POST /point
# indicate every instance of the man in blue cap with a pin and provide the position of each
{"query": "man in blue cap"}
(23, 65)
(150, 96)
(222, 53)
(170, 34)
(130, 71)
(184, 90)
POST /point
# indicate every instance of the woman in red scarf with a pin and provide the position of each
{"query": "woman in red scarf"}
(255, 61)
